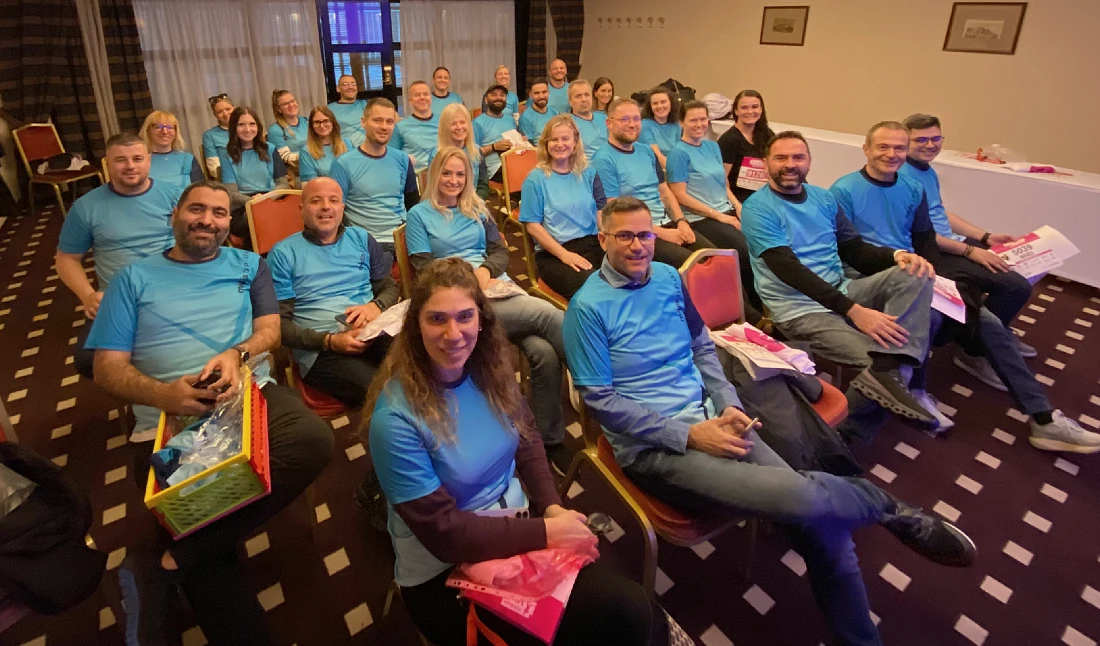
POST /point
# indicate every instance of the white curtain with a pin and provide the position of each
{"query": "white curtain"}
(470, 38)
(91, 28)
(195, 49)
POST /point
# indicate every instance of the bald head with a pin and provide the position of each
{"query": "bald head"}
(323, 208)
(557, 72)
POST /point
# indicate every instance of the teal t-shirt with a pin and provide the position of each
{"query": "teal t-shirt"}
(440, 102)
(350, 118)
(883, 213)
(928, 178)
(634, 173)
(664, 135)
(446, 236)
(293, 137)
(532, 123)
(489, 129)
(253, 175)
(418, 137)
(309, 167)
(214, 142)
(177, 167)
(559, 98)
(374, 189)
(700, 167)
(593, 133)
(565, 204)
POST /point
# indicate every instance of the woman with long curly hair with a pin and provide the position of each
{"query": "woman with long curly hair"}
(453, 444)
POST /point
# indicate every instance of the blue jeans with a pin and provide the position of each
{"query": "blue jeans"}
(535, 326)
(818, 510)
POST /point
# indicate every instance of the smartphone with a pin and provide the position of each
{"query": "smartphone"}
(210, 380)
(342, 319)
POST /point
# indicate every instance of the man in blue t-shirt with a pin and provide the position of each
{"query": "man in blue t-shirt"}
(348, 110)
(533, 120)
(196, 312)
(120, 222)
(558, 87)
(418, 134)
(799, 239)
(441, 90)
(627, 170)
(328, 272)
(378, 180)
(593, 129)
(644, 364)
(489, 129)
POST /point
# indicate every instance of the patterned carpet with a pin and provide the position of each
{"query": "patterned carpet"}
(324, 575)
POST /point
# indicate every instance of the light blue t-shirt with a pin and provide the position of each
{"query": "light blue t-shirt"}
(478, 470)
(559, 98)
(311, 168)
(440, 102)
(532, 123)
(120, 229)
(325, 280)
(883, 213)
(253, 175)
(635, 173)
(418, 137)
(700, 167)
(565, 204)
(637, 340)
(489, 129)
(294, 137)
(214, 141)
(809, 228)
(446, 236)
(177, 167)
(931, 183)
(374, 189)
(593, 133)
(511, 104)
(665, 135)
(172, 317)
(350, 118)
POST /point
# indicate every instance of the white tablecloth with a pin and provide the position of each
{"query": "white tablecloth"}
(989, 196)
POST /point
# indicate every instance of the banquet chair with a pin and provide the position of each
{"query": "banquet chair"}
(404, 267)
(538, 288)
(272, 217)
(516, 165)
(40, 141)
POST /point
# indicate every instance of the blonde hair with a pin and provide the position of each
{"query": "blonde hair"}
(152, 119)
(469, 204)
(314, 144)
(578, 161)
(447, 117)
(280, 120)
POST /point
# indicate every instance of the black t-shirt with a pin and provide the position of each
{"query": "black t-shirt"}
(734, 148)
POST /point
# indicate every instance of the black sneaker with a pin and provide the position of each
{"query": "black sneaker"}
(936, 540)
(885, 389)
(561, 458)
(146, 588)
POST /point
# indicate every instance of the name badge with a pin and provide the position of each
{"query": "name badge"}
(752, 175)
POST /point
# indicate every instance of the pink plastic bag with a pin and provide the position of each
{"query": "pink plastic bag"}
(533, 575)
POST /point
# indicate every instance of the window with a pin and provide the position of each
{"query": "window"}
(362, 39)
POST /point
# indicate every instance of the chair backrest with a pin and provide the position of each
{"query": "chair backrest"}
(401, 250)
(713, 280)
(272, 217)
(37, 141)
(528, 248)
(475, 113)
(522, 106)
(106, 171)
(517, 164)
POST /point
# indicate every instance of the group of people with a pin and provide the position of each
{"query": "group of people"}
(620, 197)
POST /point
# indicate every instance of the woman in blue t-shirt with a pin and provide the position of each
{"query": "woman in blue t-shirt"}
(168, 161)
(323, 145)
(215, 139)
(456, 128)
(660, 122)
(603, 93)
(250, 166)
(454, 449)
(288, 133)
(560, 204)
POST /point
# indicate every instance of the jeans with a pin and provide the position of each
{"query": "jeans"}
(1004, 357)
(727, 236)
(562, 278)
(535, 326)
(817, 509)
(675, 254)
(347, 376)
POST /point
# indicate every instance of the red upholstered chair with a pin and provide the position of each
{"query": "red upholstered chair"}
(539, 288)
(272, 217)
(39, 141)
(323, 405)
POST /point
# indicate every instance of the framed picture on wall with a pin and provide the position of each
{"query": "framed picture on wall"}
(784, 26)
(984, 27)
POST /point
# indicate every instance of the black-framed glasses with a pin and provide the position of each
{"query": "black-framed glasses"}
(164, 127)
(322, 122)
(627, 237)
(217, 97)
(938, 139)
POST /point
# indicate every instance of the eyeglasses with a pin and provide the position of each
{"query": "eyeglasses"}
(322, 122)
(938, 139)
(163, 127)
(218, 97)
(627, 237)
(626, 121)
(287, 104)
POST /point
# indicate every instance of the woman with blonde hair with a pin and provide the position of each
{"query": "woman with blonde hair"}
(216, 139)
(288, 133)
(560, 204)
(456, 128)
(452, 221)
(168, 161)
(452, 445)
(323, 145)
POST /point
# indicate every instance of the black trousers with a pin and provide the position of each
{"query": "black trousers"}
(675, 254)
(84, 358)
(562, 278)
(347, 376)
(605, 609)
(299, 445)
(726, 236)
(1007, 293)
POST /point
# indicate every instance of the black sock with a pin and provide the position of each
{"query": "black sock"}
(883, 362)
(1043, 418)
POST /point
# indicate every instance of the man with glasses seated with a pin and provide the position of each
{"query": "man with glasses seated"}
(627, 170)
(348, 110)
(643, 361)
(418, 134)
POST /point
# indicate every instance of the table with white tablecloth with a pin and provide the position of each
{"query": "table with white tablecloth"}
(986, 194)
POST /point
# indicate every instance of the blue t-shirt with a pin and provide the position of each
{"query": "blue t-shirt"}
(809, 228)
(325, 280)
(700, 167)
(664, 135)
(593, 133)
(418, 137)
(120, 229)
(928, 178)
(511, 104)
(440, 102)
(489, 129)
(374, 189)
(294, 137)
(172, 317)
(350, 118)
(884, 213)
(311, 168)
(565, 204)
(214, 142)
(177, 167)
(253, 175)
(635, 339)
(634, 173)
(532, 123)
(559, 98)
(444, 236)
(477, 470)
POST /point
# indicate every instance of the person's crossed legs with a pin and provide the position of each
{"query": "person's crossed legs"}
(345, 376)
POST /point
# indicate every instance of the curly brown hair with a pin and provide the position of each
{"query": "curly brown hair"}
(490, 365)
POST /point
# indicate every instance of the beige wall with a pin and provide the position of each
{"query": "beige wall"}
(869, 60)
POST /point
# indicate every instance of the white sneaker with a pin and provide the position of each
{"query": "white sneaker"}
(929, 402)
(1063, 434)
(980, 369)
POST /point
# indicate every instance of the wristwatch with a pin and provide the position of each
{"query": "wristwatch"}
(245, 354)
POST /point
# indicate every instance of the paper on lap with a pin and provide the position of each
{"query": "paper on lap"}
(1037, 253)
(388, 322)
(947, 300)
(761, 355)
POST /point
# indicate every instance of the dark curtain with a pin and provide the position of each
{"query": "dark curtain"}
(568, 17)
(536, 40)
(130, 85)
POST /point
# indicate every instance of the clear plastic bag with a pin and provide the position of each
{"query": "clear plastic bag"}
(14, 490)
(1003, 154)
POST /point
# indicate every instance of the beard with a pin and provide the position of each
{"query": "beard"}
(197, 249)
(496, 106)
(788, 181)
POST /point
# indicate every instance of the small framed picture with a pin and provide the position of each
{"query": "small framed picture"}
(984, 27)
(784, 26)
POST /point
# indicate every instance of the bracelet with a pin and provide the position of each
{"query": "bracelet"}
(326, 343)
(985, 238)
(966, 252)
